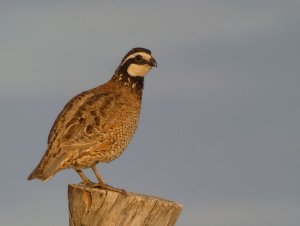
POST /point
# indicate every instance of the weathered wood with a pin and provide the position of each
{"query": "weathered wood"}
(95, 207)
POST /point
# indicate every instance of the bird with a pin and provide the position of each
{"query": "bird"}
(97, 125)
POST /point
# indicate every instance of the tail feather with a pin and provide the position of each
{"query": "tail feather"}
(39, 173)
(46, 169)
(33, 174)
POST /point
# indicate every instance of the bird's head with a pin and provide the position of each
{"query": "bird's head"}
(137, 63)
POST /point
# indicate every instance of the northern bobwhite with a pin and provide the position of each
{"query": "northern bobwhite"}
(97, 125)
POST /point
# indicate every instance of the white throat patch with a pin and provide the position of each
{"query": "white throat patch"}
(138, 70)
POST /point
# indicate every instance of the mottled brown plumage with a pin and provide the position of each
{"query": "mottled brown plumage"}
(97, 125)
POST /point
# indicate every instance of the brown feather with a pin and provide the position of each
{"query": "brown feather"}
(94, 126)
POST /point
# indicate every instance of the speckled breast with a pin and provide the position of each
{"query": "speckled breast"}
(118, 123)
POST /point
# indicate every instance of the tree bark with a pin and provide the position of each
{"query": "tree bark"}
(94, 207)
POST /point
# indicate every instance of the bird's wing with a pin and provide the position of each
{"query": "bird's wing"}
(87, 120)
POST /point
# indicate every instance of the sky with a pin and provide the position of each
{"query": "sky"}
(220, 124)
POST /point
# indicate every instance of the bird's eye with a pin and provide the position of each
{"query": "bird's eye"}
(138, 58)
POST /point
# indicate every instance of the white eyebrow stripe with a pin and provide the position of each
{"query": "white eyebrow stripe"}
(145, 56)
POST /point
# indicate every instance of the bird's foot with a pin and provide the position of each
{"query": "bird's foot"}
(109, 188)
(89, 184)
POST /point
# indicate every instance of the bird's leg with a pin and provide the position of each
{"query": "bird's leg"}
(103, 185)
(85, 179)
(98, 175)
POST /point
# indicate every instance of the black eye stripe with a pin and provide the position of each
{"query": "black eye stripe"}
(138, 57)
(136, 50)
(134, 60)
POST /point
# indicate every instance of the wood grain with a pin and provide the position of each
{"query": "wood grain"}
(97, 207)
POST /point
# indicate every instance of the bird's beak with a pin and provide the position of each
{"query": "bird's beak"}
(153, 62)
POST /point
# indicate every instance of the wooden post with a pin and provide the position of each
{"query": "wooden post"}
(95, 207)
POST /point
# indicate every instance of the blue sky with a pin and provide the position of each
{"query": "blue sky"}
(220, 126)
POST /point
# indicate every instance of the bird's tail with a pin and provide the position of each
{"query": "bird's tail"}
(46, 169)
(39, 173)
(36, 174)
